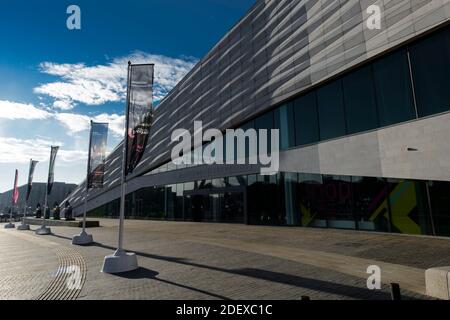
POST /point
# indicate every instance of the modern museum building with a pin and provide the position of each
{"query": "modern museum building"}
(363, 113)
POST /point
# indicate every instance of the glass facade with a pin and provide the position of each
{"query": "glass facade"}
(298, 199)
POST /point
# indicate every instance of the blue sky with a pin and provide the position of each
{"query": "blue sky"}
(54, 80)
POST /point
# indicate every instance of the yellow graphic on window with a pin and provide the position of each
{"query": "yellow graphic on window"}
(403, 201)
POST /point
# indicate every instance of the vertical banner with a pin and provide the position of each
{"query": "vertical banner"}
(97, 153)
(15, 195)
(33, 164)
(139, 113)
(51, 169)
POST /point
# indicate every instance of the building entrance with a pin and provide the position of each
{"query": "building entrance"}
(216, 205)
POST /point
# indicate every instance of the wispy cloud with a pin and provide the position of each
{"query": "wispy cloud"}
(77, 122)
(100, 84)
(74, 122)
(15, 150)
(14, 110)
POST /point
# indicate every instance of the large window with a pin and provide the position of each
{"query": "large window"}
(284, 121)
(360, 101)
(266, 121)
(306, 119)
(440, 205)
(393, 89)
(430, 60)
(309, 205)
(336, 202)
(409, 207)
(330, 104)
(370, 203)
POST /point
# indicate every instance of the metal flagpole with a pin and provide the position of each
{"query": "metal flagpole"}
(44, 230)
(23, 225)
(124, 164)
(45, 206)
(85, 210)
(83, 238)
(122, 261)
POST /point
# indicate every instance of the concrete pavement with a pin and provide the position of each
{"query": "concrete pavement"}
(186, 260)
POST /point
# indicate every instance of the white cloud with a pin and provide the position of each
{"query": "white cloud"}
(14, 110)
(14, 150)
(63, 104)
(116, 122)
(78, 122)
(74, 122)
(99, 84)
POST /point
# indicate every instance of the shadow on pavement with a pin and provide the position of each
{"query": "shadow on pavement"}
(144, 273)
(283, 278)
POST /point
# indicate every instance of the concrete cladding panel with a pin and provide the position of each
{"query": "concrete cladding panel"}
(278, 49)
(414, 150)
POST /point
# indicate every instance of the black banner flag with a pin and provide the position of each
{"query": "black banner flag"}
(51, 169)
(97, 151)
(139, 113)
(33, 164)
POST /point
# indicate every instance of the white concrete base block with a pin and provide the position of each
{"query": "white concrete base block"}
(437, 282)
(43, 231)
(82, 239)
(119, 262)
(23, 227)
(10, 226)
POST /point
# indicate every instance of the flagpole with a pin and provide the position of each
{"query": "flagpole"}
(122, 261)
(44, 230)
(83, 238)
(25, 226)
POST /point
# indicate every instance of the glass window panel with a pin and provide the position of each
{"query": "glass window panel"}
(393, 89)
(359, 98)
(171, 193)
(440, 204)
(232, 207)
(289, 195)
(309, 190)
(218, 183)
(306, 119)
(336, 202)
(370, 203)
(284, 122)
(266, 121)
(263, 199)
(409, 207)
(331, 110)
(178, 207)
(430, 62)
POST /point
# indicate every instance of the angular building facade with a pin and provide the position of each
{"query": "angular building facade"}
(363, 116)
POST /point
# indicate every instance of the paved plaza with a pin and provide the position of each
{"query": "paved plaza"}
(184, 260)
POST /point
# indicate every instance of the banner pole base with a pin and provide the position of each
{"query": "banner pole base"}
(43, 231)
(82, 239)
(120, 261)
(10, 226)
(23, 227)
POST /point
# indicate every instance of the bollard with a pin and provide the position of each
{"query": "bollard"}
(395, 291)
